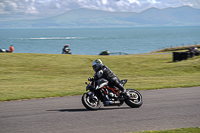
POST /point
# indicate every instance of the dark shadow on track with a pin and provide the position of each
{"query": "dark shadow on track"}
(68, 110)
(82, 110)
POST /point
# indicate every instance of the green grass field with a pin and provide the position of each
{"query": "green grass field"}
(27, 76)
(180, 130)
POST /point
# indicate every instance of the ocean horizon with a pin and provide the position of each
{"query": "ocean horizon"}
(92, 41)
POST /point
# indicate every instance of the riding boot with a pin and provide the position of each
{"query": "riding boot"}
(124, 91)
(117, 83)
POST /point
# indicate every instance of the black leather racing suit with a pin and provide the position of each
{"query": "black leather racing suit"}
(103, 74)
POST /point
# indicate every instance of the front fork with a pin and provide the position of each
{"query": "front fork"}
(91, 95)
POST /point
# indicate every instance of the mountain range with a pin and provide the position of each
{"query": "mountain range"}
(152, 17)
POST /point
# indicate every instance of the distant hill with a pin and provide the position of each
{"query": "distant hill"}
(181, 16)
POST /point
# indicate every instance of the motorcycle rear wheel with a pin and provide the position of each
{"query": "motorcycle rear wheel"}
(135, 100)
(91, 103)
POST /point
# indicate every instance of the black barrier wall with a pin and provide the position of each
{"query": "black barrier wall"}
(179, 56)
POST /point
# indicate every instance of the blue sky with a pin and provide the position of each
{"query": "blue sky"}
(27, 9)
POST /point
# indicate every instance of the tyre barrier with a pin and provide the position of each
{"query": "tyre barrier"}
(197, 53)
(179, 56)
(176, 56)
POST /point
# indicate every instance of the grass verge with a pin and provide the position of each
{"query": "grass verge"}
(181, 130)
(179, 48)
(27, 76)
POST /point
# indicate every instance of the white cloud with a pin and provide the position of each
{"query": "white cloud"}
(192, 3)
(104, 2)
(2, 9)
(53, 7)
(10, 6)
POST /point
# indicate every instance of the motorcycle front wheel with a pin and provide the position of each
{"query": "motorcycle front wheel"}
(91, 102)
(135, 100)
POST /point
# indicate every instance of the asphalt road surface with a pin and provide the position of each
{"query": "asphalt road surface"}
(162, 109)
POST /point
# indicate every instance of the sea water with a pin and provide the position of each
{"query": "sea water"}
(91, 41)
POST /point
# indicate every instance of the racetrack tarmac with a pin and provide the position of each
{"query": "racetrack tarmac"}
(162, 109)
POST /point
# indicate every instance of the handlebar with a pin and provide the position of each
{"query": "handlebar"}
(90, 79)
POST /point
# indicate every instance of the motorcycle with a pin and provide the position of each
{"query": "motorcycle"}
(5, 51)
(109, 95)
(66, 51)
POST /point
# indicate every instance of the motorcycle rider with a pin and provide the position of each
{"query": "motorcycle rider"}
(104, 75)
(66, 49)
